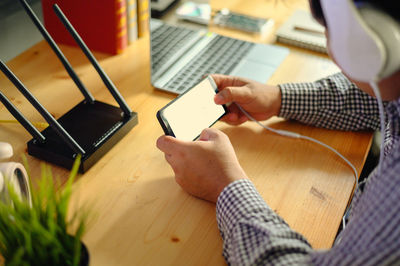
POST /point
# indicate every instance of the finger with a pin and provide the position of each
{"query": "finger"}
(230, 117)
(223, 81)
(242, 118)
(169, 145)
(162, 144)
(232, 114)
(240, 95)
(209, 134)
(233, 108)
(236, 121)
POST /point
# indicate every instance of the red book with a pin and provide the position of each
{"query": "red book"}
(102, 24)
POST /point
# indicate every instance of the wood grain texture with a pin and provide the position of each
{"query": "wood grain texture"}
(140, 215)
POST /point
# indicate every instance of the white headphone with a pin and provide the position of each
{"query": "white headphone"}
(364, 41)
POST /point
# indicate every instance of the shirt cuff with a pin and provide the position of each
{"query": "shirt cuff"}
(237, 201)
(297, 98)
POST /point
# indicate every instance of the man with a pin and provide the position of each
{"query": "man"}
(253, 233)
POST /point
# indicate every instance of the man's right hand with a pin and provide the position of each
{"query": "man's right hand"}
(261, 101)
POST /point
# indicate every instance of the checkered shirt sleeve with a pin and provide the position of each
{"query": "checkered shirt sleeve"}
(333, 102)
(253, 234)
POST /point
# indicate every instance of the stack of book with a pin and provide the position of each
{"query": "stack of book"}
(107, 26)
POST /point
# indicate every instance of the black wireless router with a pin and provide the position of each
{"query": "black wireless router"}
(91, 128)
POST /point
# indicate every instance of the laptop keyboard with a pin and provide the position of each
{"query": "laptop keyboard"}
(221, 55)
(166, 41)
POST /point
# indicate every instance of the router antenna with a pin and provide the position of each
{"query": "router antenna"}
(110, 86)
(21, 118)
(47, 116)
(58, 52)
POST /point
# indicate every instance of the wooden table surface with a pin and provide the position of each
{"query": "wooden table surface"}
(140, 216)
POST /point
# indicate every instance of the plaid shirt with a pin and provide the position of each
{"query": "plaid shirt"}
(254, 234)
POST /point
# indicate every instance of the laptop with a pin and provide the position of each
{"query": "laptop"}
(181, 56)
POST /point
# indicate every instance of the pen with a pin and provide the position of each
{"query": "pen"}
(308, 30)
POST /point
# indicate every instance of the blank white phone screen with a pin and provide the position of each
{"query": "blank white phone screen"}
(193, 111)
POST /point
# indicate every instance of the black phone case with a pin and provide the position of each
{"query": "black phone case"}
(164, 122)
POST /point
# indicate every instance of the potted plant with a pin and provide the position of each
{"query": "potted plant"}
(43, 231)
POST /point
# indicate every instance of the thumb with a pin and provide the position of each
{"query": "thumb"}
(209, 134)
(233, 94)
(169, 145)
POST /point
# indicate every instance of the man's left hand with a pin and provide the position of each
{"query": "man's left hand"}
(203, 168)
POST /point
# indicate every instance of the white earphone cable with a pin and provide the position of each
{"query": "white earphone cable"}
(375, 87)
(299, 136)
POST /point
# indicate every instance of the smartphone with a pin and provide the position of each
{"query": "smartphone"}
(186, 116)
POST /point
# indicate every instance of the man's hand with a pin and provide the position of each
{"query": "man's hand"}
(261, 101)
(204, 167)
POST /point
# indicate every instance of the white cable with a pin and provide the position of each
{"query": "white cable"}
(337, 153)
(299, 136)
(375, 87)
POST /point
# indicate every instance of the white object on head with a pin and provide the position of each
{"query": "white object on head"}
(365, 42)
(355, 47)
(6, 150)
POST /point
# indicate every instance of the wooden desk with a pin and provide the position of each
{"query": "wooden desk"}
(141, 216)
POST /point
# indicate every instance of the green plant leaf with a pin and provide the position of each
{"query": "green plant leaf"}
(43, 233)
